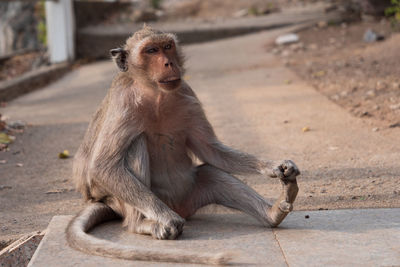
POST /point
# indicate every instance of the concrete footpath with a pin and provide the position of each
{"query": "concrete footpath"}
(365, 237)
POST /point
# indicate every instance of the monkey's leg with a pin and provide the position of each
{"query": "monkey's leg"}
(137, 223)
(216, 186)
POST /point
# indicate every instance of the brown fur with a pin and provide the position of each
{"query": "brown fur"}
(136, 159)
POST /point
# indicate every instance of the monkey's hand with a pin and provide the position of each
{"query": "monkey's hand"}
(170, 227)
(286, 170)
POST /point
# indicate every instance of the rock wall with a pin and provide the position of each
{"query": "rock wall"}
(17, 26)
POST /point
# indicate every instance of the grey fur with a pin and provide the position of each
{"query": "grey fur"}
(136, 162)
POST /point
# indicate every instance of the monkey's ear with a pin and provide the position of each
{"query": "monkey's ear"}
(119, 55)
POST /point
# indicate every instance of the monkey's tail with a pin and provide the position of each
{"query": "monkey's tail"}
(97, 213)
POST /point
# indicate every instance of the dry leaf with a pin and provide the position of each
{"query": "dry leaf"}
(5, 138)
(64, 154)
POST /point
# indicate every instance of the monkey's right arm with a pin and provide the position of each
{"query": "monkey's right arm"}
(205, 145)
(109, 167)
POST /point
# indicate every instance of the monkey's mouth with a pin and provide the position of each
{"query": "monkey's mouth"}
(170, 80)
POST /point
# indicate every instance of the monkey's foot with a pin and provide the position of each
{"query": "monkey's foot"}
(171, 230)
(285, 169)
(284, 204)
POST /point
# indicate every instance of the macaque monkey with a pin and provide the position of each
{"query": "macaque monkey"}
(136, 159)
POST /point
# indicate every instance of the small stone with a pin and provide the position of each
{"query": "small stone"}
(313, 47)
(365, 114)
(19, 164)
(376, 129)
(287, 39)
(370, 36)
(344, 93)
(241, 13)
(396, 85)
(309, 64)
(3, 161)
(275, 51)
(17, 125)
(394, 107)
(322, 24)
(306, 129)
(4, 228)
(2, 187)
(380, 85)
(335, 97)
(370, 93)
(285, 53)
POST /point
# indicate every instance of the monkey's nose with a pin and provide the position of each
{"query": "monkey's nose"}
(169, 64)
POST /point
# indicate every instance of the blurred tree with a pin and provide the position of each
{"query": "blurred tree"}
(373, 7)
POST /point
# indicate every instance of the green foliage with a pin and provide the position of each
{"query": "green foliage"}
(253, 11)
(42, 32)
(156, 4)
(394, 13)
(41, 25)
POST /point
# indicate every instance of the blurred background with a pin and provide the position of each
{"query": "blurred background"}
(34, 34)
(347, 50)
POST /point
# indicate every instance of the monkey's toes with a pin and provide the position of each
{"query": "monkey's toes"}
(285, 206)
(289, 168)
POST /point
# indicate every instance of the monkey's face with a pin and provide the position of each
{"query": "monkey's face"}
(153, 60)
(161, 63)
(158, 60)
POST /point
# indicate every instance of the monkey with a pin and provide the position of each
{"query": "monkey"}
(137, 159)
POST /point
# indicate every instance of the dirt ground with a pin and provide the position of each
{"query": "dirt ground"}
(20, 64)
(363, 78)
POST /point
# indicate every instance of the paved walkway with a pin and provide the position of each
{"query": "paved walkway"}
(325, 238)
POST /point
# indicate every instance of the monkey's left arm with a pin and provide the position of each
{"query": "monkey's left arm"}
(203, 142)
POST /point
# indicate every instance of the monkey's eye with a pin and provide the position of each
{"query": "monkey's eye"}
(168, 46)
(151, 50)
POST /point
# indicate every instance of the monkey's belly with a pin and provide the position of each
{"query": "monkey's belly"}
(171, 181)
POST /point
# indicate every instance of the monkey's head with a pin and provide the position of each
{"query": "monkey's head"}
(153, 58)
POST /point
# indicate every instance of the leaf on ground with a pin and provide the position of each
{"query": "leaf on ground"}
(5, 187)
(319, 73)
(56, 191)
(5, 138)
(64, 154)
(306, 129)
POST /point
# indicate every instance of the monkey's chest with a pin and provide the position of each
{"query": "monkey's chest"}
(171, 168)
(166, 145)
